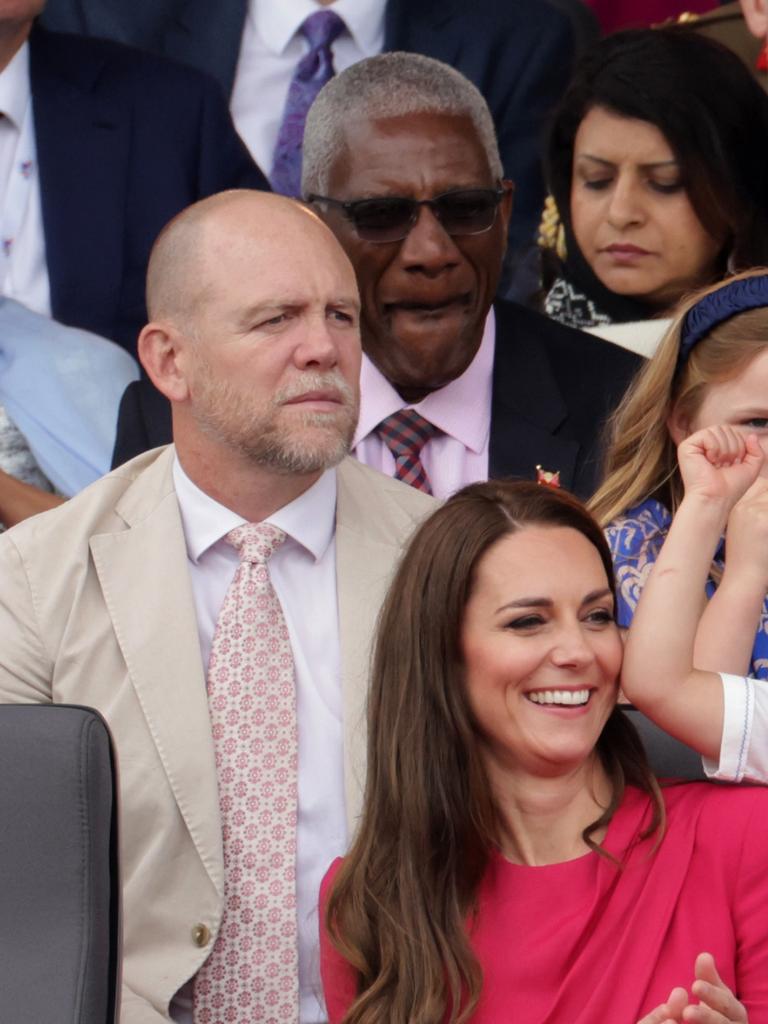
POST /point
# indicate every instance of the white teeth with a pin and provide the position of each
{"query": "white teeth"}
(572, 698)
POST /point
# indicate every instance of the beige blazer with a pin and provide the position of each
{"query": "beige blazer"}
(96, 608)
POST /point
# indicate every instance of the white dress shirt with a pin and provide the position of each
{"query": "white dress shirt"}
(23, 273)
(270, 49)
(744, 746)
(462, 410)
(303, 573)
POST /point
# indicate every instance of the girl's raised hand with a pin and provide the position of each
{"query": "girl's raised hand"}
(719, 463)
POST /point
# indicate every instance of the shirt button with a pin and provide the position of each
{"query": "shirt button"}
(201, 935)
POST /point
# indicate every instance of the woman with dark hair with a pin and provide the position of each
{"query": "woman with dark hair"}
(516, 859)
(657, 162)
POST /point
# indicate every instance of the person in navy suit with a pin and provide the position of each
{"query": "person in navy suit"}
(123, 141)
(434, 340)
(520, 55)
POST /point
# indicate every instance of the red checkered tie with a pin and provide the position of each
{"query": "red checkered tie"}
(405, 433)
(252, 972)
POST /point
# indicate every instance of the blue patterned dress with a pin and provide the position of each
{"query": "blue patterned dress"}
(635, 540)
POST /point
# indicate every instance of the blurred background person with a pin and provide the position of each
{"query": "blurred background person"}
(272, 56)
(617, 14)
(515, 849)
(711, 368)
(657, 162)
(60, 388)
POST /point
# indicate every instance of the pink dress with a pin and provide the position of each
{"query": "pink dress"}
(584, 942)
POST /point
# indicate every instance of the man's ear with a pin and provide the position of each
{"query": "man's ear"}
(678, 425)
(507, 201)
(161, 349)
(756, 16)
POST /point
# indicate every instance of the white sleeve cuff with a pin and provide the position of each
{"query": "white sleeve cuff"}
(736, 757)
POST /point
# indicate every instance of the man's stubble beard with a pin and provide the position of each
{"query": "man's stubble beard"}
(314, 441)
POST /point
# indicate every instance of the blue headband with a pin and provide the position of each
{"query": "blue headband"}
(734, 297)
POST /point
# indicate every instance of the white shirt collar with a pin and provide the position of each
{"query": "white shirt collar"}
(278, 21)
(310, 519)
(461, 409)
(14, 87)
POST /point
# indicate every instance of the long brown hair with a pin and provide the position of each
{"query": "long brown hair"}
(399, 904)
(640, 455)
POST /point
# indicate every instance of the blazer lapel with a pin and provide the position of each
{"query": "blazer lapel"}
(207, 35)
(147, 591)
(82, 149)
(365, 560)
(527, 408)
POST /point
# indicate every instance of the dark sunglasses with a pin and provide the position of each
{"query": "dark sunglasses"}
(389, 218)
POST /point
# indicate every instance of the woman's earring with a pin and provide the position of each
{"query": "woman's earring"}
(551, 230)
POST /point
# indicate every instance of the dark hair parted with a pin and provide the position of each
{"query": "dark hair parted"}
(710, 110)
(399, 905)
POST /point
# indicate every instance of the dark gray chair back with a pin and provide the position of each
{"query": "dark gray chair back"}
(669, 758)
(59, 887)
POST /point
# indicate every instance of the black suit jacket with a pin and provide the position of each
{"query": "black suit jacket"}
(125, 141)
(519, 53)
(553, 387)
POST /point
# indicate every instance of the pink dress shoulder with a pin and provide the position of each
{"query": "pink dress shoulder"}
(587, 941)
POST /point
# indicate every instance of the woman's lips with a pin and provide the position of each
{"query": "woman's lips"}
(625, 253)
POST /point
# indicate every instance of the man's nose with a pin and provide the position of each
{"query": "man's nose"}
(428, 248)
(318, 347)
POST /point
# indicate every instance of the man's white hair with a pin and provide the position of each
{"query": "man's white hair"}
(388, 85)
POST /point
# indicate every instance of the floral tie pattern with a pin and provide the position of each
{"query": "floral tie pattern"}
(252, 972)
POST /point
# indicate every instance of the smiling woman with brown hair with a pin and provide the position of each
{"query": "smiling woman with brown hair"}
(515, 849)
(657, 162)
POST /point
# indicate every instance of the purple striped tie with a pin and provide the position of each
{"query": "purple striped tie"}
(405, 433)
(312, 72)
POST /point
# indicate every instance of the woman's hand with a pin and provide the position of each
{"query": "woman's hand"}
(669, 1012)
(717, 1004)
(719, 463)
(746, 538)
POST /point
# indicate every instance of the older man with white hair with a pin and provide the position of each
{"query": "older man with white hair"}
(402, 162)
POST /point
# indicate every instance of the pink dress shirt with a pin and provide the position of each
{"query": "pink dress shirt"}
(462, 410)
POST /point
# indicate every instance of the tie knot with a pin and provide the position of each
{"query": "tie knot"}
(255, 542)
(321, 28)
(406, 432)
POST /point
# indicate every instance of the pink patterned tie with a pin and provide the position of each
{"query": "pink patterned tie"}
(252, 972)
(405, 433)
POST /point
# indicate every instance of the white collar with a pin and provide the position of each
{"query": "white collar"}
(310, 519)
(278, 21)
(14, 86)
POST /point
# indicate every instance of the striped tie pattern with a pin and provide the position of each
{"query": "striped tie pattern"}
(405, 433)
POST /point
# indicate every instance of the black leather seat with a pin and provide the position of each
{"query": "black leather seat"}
(669, 758)
(59, 894)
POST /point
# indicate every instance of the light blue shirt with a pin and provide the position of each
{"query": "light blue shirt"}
(62, 387)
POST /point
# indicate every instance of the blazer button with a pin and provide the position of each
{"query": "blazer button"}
(201, 935)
